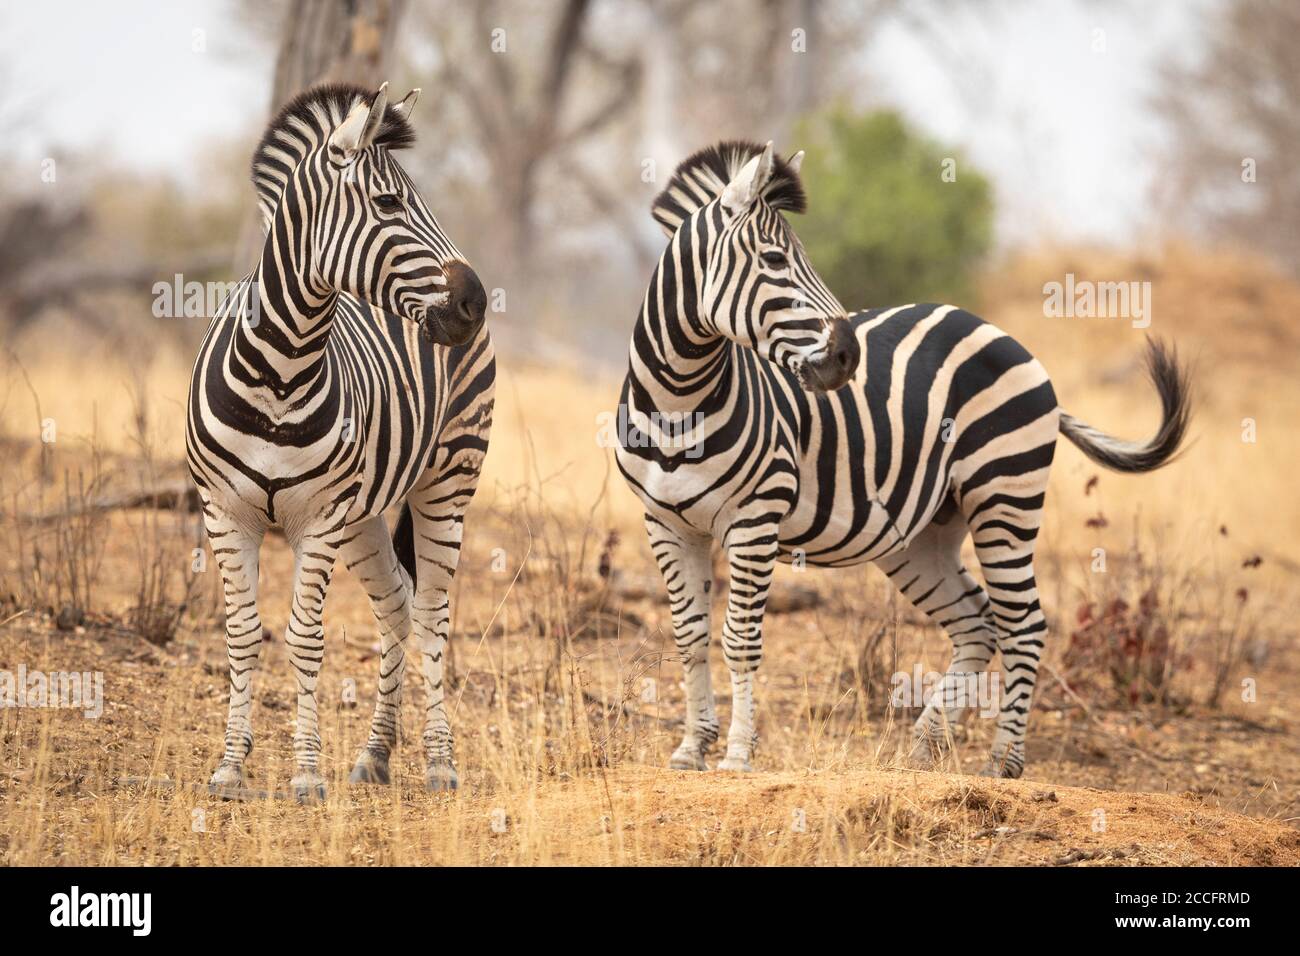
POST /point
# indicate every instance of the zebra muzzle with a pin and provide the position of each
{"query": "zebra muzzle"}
(835, 364)
(459, 319)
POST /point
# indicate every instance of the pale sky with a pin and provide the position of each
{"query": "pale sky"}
(130, 80)
(1064, 129)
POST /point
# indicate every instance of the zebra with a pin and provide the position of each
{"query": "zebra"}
(349, 371)
(758, 414)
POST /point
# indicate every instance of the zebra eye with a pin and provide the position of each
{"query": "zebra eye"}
(388, 202)
(774, 260)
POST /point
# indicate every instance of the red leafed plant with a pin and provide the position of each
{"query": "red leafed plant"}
(1130, 644)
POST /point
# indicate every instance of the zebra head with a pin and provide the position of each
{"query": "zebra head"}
(325, 172)
(390, 249)
(760, 290)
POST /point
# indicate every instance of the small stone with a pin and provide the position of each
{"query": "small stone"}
(70, 617)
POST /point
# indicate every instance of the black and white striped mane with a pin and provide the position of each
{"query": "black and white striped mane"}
(303, 125)
(701, 177)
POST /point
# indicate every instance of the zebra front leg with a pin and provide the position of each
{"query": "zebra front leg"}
(751, 563)
(236, 554)
(370, 554)
(687, 569)
(431, 618)
(305, 639)
(438, 529)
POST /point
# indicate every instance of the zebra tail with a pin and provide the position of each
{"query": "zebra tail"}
(1173, 384)
(404, 543)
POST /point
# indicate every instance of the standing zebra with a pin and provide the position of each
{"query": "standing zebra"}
(349, 371)
(832, 439)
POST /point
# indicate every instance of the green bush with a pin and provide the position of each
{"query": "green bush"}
(884, 226)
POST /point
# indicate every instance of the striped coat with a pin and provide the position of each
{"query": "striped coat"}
(350, 372)
(823, 438)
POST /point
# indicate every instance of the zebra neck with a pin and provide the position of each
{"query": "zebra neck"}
(288, 315)
(678, 362)
(674, 368)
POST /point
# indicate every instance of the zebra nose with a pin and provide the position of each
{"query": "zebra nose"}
(845, 351)
(839, 361)
(468, 300)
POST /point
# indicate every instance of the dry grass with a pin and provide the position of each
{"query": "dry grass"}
(568, 773)
(567, 699)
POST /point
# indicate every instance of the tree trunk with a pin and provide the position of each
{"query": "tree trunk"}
(323, 41)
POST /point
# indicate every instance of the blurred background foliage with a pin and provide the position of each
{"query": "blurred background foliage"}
(877, 228)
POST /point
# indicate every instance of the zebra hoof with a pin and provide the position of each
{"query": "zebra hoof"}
(735, 765)
(924, 755)
(370, 769)
(227, 776)
(1006, 768)
(441, 778)
(307, 786)
(687, 758)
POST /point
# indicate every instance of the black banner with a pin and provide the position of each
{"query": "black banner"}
(185, 905)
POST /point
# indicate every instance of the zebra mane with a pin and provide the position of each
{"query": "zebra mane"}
(302, 125)
(701, 177)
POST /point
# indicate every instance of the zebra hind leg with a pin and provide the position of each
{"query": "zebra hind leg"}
(929, 573)
(1005, 545)
(370, 554)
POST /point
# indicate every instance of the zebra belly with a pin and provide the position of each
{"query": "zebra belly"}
(853, 532)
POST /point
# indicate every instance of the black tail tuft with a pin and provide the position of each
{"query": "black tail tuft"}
(1173, 384)
(404, 541)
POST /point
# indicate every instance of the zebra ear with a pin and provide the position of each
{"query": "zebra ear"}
(376, 116)
(404, 108)
(358, 130)
(794, 162)
(748, 184)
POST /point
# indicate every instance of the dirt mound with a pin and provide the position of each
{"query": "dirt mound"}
(887, 817)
